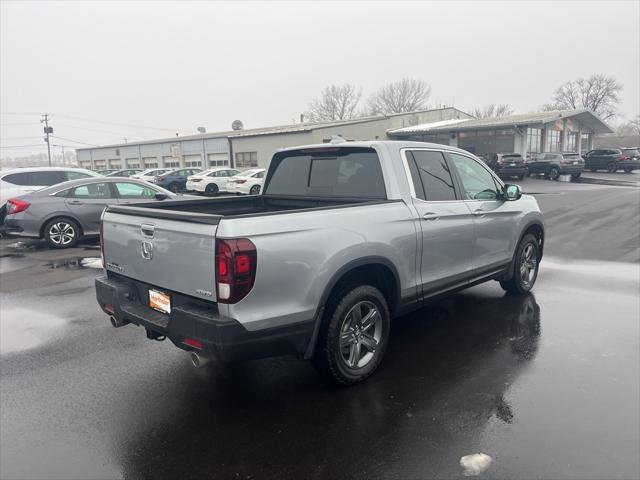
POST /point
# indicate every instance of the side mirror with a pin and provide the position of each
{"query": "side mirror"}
(512, 192)
(161, 196)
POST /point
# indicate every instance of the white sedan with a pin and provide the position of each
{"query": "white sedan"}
(150, 173)
(211, 181)
(248, 182)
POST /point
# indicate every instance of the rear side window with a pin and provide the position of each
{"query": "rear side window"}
(134, 190)
(18, 178)
(76, 175)
(431, 176)
(330, 172)
(48, 178)
(92, 190)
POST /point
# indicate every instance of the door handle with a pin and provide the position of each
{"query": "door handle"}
(479, 213)
(75, 202)
(430, 216)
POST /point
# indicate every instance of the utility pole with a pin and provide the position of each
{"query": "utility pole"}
(47, 130)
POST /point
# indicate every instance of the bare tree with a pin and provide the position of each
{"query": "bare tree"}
(630, 128)
(337, 102)
(406, 95)
(492, 110)
(599, 93)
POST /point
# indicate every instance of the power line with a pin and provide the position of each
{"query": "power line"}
(22, 146)
(75, 141)
(17, 138)
(95, 130)
(20, 113)
(119, 124)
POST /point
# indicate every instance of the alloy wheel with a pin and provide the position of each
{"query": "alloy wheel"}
(62, 233)
(360, 334)
(528, 265)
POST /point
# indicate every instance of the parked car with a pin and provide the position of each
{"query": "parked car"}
(554, 164)
(150, 173)
(176, 180)
(127, 172)
(19, 181)
(611, 160)
(107, 171)
(211, 181)
(507, 164)
(63, 213)
(344, 237)
(248, 182)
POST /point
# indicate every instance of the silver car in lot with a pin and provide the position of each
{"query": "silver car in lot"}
(63, 213)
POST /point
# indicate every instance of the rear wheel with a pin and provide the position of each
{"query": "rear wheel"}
(61, 233)
(628, 170)
(174, 187)
(554, 173)
(525, 269)
(576, 175)
(593, 169)
(612, 167)
(521, 176)
(211, 189)
(255, 190)
(354, 339)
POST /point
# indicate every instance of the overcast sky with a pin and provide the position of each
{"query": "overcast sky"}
(181, 65)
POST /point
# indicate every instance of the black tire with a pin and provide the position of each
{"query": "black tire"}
(211, 189)
(521, 176)
(612, 167)
(61, 232)
(255, 190)
(553, 174)
(593, 169)
(576, 175)
(174, 187)
(329, 357)
(518, 283)
(628, 170)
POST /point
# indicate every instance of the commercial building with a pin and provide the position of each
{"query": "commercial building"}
(251, 147)
(551, 131)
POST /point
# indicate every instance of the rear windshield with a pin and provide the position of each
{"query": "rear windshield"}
(571, 155)
(630, 151)
(327, 172)
(512, 155)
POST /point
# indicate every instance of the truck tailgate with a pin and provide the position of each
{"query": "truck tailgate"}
(170, 254)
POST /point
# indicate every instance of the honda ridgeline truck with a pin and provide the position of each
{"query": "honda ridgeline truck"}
(344, 237)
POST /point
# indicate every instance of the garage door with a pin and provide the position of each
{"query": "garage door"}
(150, 162)
(115, 163)
(192, 161)
(218, 159)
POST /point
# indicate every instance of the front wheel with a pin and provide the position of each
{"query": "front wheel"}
(525, 269)
(255, 190)
(612, 167)
(61, 233)
(554, 173)
(174, 187)
(576, 175)
(521, 176)
(354, 339)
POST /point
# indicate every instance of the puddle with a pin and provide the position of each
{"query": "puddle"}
(76, 262)
(23, 329)
(9, 263)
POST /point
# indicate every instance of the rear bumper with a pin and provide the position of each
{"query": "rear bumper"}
(196, 319)
(571, 169)
(511, 171)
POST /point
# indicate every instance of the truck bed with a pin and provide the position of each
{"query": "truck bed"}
(211, 210)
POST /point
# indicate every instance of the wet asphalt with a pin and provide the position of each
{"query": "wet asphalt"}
(547, 384)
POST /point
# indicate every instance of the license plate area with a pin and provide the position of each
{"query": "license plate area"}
(159, 301)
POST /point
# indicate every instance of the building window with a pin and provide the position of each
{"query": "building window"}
(196, 163)
(584, 143)
(246, 159)
(553, 141)
(219, 163)
(534, 140)
(570, 142)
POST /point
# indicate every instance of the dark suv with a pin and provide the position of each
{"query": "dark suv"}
(176, 180)
(554, 164)
(612, 159)
(506, 164)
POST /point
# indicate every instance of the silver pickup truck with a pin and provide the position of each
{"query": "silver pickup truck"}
(345, 237)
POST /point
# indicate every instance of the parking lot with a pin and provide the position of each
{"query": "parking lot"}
(547, 384)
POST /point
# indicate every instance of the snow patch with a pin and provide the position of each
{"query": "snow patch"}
(475, 464)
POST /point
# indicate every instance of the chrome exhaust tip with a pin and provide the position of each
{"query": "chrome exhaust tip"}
(199, 360)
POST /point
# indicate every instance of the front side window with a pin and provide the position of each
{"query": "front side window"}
(93, 190)
(133, 190)
(478, 183)
(431, 176)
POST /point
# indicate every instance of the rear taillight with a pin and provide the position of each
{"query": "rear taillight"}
(102, 243)
(240, 181)
(15, 205)
(196, 180)
(236, 262)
